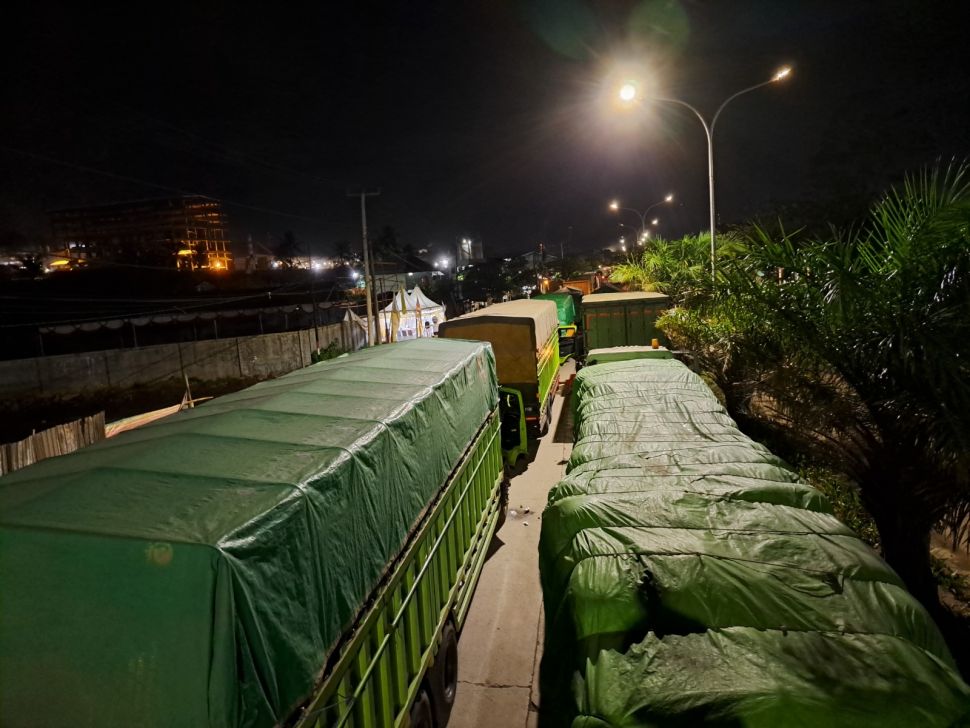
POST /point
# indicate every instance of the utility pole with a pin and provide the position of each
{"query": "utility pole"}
(459, 246)
(368, 273)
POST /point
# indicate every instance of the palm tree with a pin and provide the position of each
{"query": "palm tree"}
(873, 330)
(678, 268)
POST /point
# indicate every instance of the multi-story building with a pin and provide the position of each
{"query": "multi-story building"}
(186, 232)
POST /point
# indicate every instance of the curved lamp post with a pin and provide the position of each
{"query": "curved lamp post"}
(628, 94)
(615, 206)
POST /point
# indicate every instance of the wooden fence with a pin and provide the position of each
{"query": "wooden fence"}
(58, 440)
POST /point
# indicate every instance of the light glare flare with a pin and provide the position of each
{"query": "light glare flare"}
(782, 74)
(628, 92)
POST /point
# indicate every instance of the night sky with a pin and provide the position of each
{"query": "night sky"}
(487, 119)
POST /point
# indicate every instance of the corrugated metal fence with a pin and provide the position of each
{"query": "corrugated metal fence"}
(58, 440)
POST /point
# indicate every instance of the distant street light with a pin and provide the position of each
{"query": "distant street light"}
(644, 233)
(640, 237)
(628, 94)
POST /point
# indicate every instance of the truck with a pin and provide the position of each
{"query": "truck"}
(691, 578)
(524, 335)
(622, 319)
(568, 305)
(302, 552)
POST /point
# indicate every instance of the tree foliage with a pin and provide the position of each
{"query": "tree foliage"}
(856, 346)
(680, 268)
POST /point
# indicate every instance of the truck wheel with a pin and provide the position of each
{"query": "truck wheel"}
(503, 503)
(444, 676)
(421, 715)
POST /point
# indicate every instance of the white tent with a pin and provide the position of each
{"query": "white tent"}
(410, 315)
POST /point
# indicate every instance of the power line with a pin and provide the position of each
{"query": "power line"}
(155, 185)
(227, 150)
(158, 312)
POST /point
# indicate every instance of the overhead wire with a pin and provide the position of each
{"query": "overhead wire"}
(156, 185)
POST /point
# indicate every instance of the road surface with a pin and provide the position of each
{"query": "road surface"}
(501, 642)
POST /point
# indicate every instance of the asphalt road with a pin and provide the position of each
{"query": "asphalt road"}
(501, 643)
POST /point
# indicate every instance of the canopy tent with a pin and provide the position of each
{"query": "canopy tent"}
(410, 315)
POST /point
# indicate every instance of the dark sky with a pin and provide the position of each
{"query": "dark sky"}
(484, 118)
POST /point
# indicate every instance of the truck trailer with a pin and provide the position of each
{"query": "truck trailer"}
(525, 337)
(623, 319)
(568, 306)
(302, 552)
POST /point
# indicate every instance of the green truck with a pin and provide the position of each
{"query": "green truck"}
(622, 319)
(568, 302)
(525, 337)
(691, 579)
(302, 552)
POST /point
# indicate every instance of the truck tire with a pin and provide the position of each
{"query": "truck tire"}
(544, 430)
(443, 676)
(421, 714)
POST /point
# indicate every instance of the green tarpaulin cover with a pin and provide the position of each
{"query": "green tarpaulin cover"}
(676, 547)
(200, 570)
(755, 679)
(565, 306)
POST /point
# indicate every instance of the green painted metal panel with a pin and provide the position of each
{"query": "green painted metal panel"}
(622, 319)
(624, 353)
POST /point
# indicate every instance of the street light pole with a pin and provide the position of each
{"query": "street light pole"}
(615, 206)
(709, 133)
(629, 92)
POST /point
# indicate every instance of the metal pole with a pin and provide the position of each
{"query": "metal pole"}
(710, 189)
(368, 274)
(367, 282)
(709, 132)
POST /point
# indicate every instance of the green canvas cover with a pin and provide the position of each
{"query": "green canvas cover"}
(737, 482)
(565, 306)
(522, 333)
(671, 521)
(200, 570)
(771, 679)
(684, 562)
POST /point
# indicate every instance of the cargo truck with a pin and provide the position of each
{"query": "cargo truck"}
(525, 337)
(302, 552)
(568, 303)
(691, 579)
(622, 319)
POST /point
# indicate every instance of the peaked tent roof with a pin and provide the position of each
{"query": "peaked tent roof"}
(421, 298)
(411, 301)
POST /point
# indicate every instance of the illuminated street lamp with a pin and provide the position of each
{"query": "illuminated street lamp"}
(644, 233)
(640, 236)
(628, 94)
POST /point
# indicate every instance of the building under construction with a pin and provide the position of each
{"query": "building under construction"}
(186, 232)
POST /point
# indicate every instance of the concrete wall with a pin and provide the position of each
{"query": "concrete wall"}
(244, 357)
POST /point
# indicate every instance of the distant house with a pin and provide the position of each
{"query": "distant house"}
(187, 232)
